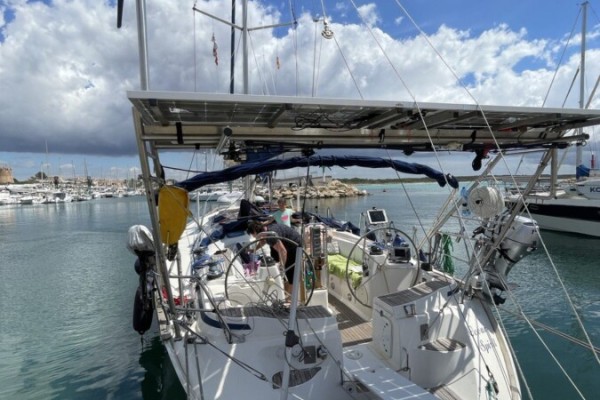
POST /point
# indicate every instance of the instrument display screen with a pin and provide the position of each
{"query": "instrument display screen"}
(377, 217)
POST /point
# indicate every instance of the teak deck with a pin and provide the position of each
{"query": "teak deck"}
(354, 329)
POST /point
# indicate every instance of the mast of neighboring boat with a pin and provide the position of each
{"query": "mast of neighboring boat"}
(47, 180)
(232, 63)
(579, 152)
(245, 43)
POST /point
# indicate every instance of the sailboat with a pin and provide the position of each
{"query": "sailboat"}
(571, 206)
(364, 311)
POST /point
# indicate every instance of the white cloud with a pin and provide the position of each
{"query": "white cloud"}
(66, 68)
(368, 13)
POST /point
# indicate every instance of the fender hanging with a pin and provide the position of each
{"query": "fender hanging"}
(142, 312)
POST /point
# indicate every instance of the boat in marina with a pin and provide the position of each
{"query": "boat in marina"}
(7, 197)
(420, 331)
(374, 312)
(574, 208)
(231, 197)
(207, 194)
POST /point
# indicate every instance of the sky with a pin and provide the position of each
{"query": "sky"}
(65, 68)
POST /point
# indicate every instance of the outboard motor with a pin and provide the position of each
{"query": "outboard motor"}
(140, 243)
(520, 240)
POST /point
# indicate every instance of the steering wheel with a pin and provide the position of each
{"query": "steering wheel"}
(269, 285)
(360, 290)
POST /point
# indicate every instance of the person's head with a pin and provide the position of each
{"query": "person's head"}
(254, 228)
(281, 203)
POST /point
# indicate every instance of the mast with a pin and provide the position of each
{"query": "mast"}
(232, 64)
(47, 164)
(245, 43)
(142, 44)
(579, 152)
(244, 29)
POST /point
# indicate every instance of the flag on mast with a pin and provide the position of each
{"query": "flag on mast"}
(215, 47)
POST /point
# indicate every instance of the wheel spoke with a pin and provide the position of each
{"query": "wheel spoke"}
(264, 290)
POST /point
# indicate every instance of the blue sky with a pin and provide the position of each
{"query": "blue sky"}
(65, 68)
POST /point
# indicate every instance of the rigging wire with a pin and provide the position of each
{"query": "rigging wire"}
(565, 47)
(436, 154)
(500, 155)
(461, 222)
(316, 21)
(393, 66)
(555, 331)
(571, 87)
(561, 59)
(258, 67)
(295, 42)
(332, 36)
(348, 67)
(236, 53)
(240, 363)
(272, 75)
(319, 69)
(592, 146)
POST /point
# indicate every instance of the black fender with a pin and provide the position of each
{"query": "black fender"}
(142, 312)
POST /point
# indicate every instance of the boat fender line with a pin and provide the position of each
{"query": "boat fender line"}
(142, 312)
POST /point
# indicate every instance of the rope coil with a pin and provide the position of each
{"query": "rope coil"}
(485, 201)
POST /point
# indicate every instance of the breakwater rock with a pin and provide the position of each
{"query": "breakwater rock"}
(332, 189)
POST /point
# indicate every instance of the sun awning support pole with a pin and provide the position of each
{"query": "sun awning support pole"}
(553, 171)
(290, 338)
(153, 209)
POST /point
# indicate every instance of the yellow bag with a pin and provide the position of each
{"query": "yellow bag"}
(173, 211)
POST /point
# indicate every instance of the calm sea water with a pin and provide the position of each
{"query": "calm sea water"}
(67, 285)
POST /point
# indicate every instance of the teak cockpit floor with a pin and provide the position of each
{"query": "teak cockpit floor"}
(353, 328)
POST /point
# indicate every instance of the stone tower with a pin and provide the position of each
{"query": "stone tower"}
(6, 176)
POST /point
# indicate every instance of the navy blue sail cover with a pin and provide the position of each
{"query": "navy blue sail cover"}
(254, 168)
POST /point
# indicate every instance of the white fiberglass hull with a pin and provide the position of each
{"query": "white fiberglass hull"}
(570, 214)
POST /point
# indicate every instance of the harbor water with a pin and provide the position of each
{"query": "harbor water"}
(67, 286)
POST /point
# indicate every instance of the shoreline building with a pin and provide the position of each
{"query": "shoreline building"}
(6, 176)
